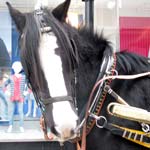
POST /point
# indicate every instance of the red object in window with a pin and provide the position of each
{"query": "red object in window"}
(135, 34)
(17, 95)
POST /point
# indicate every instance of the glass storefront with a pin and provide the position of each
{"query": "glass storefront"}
(19, 119)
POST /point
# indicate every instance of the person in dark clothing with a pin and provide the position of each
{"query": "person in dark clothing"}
(3, 101)
(4, 56)
(4, 64)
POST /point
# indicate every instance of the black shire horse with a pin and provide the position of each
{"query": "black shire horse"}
(63, 64)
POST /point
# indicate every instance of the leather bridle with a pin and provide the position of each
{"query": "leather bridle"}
(107, 68)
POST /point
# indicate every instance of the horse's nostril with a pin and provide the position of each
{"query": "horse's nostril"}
(72, 132)
(66, 133)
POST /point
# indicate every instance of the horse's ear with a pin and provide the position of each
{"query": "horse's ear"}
(60, 12)
(18, 17)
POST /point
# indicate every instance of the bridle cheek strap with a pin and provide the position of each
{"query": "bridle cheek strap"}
(52, 100)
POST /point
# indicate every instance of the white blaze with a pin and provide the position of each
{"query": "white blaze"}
(64, 117)
(52, 66)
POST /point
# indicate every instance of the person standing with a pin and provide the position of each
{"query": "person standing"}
(17, 85)
(30, 98)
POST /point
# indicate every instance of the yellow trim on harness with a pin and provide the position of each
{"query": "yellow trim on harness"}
(132, 131)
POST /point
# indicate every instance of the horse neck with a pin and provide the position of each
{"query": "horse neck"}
(87, 74)
(90, 49)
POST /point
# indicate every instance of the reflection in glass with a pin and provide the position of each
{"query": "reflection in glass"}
(10, 113)
(4, 65)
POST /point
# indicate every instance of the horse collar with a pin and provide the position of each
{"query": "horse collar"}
(100, 97)
(107, 68)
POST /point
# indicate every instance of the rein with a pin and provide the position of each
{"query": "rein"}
(87, 127)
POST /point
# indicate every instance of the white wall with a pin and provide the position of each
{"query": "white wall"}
(106, 20)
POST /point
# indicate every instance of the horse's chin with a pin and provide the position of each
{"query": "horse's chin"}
(64, 139)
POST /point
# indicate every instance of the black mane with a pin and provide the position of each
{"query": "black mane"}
(29, 43)
(128, 62)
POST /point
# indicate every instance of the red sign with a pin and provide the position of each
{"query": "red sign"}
(135, 34)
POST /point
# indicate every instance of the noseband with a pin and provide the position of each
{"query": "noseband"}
(52, 100)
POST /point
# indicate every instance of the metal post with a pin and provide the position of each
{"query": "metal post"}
(89, 14)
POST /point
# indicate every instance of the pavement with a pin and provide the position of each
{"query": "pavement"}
(32, 131)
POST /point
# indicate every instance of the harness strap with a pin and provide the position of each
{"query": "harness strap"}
(88, 125)
(135, 136)
(129, 112)
(52, 100)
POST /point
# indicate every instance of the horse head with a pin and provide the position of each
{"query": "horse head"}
(61, 63)
(47, 53)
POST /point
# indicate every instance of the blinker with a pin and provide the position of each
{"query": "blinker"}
(44, 28)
